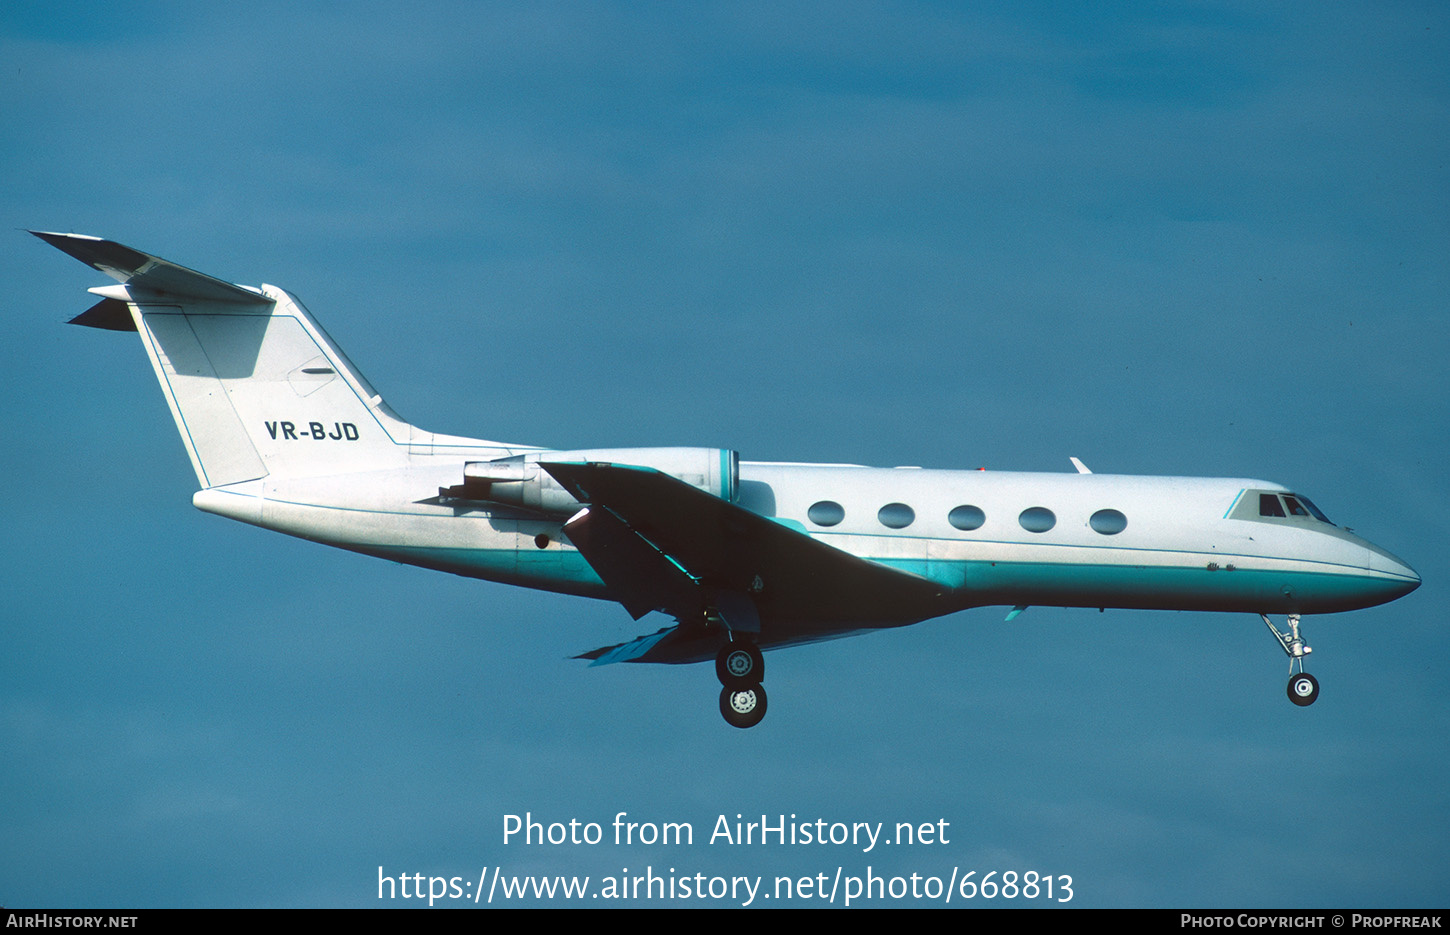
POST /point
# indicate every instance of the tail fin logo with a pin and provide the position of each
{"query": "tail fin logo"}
(341, 431)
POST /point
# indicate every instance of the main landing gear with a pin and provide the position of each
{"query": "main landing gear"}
(1303, 687)
(741, 668)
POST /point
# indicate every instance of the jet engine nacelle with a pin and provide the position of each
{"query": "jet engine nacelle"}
(520, 481)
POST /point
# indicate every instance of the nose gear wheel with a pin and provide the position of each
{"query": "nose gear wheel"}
(1303, 689)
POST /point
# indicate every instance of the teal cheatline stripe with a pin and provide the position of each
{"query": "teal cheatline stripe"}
(950, 574)
(1045, 583)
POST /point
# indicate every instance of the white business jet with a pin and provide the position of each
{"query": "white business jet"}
(284, 433)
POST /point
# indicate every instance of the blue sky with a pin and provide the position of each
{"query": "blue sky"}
(1171, 239)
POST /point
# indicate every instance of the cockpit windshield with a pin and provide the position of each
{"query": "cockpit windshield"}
(1289, 504)
(1294, 500)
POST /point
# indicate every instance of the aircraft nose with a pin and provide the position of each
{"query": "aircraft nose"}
(1395, 573)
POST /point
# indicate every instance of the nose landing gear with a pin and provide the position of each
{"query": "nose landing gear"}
(1303, 688)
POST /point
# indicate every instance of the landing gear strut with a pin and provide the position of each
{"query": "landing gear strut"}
(740, 667)
(1303, 687)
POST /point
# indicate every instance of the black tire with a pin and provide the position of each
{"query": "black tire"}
(1303, 689)
(740, 664)
(742, 707)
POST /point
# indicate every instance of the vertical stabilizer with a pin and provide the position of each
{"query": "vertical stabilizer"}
(257, 388)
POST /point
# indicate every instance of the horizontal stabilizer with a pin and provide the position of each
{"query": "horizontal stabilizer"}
(110, 314)
(149, 274)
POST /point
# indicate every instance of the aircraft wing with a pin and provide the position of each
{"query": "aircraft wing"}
(660, 544)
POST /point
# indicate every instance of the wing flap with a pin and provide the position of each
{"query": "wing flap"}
(638, 575)
(672, 646)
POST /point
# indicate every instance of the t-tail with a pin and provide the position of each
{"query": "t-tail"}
(256, 386)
